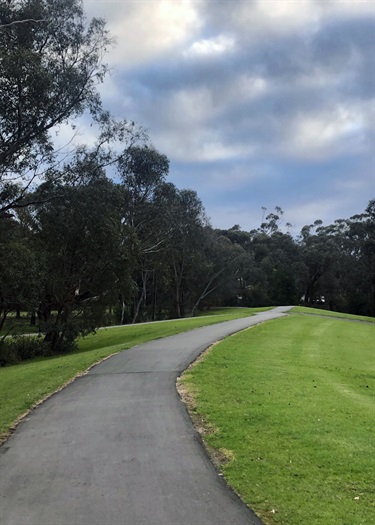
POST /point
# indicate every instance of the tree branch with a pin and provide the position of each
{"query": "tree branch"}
(23, 22)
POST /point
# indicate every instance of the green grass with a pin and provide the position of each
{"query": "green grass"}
(292, 400)
(24, 384)
(20, 326)
(319, 311)
(224, 310)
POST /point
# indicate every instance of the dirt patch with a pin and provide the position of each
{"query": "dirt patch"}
(218, 456)
(186, 393)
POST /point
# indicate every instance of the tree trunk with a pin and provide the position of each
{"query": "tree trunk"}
(178, 280)
(3, 318)
(123, 310)
(310, 288)
(207, 290)
(154, 298)
(141, 298)
(54, 333)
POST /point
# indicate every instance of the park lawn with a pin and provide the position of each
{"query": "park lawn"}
(291, 402)
(224, 310)
(25, 384)
(19, 326)
(320, 311)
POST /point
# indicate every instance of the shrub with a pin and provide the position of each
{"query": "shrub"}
(19, 348)
(61, 339)
(8, 354)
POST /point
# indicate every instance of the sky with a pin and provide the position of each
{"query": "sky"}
(256, 103)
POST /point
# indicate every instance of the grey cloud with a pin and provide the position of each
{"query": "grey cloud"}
(275, 62)
(307, 74)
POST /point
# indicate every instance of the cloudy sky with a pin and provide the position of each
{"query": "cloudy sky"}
(257, 103)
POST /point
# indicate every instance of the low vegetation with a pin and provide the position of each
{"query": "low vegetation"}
(25, 384)
(288, 405)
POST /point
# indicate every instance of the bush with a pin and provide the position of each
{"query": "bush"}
(8, 354)
(65, 344)
(19, 348)
(61, 340)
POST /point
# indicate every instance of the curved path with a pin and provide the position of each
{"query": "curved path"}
(117, 447)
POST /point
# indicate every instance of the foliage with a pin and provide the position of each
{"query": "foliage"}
(328, 266)
(50, 66)
(78, 231)
(103, 234)
(19, 269)
(340, 262)
(16, 349)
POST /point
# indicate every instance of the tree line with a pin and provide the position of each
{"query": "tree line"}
(87, 247)
(99, 235)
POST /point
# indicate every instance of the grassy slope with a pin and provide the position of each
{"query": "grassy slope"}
(319, 311)
(23, 385)
(293, 400)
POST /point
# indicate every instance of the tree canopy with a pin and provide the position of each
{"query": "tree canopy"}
(51, 62)
(104, 237)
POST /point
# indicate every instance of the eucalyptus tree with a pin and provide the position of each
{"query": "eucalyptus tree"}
(361, 234)
(185, 252)
(321, 255)
(142, 171)
(217, 277)
(20, 270)
(349, 285)
(269, 265)
(78, 231)
(51, 62)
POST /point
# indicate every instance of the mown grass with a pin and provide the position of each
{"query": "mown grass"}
(24, 384)
(319, 311)
(19, 326)
(292, 402)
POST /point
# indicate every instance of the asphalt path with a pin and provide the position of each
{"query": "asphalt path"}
(117, 447)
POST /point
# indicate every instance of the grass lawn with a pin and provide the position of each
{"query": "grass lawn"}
(19, 326)
(319, 311)
(291, 402)
(24, 384)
